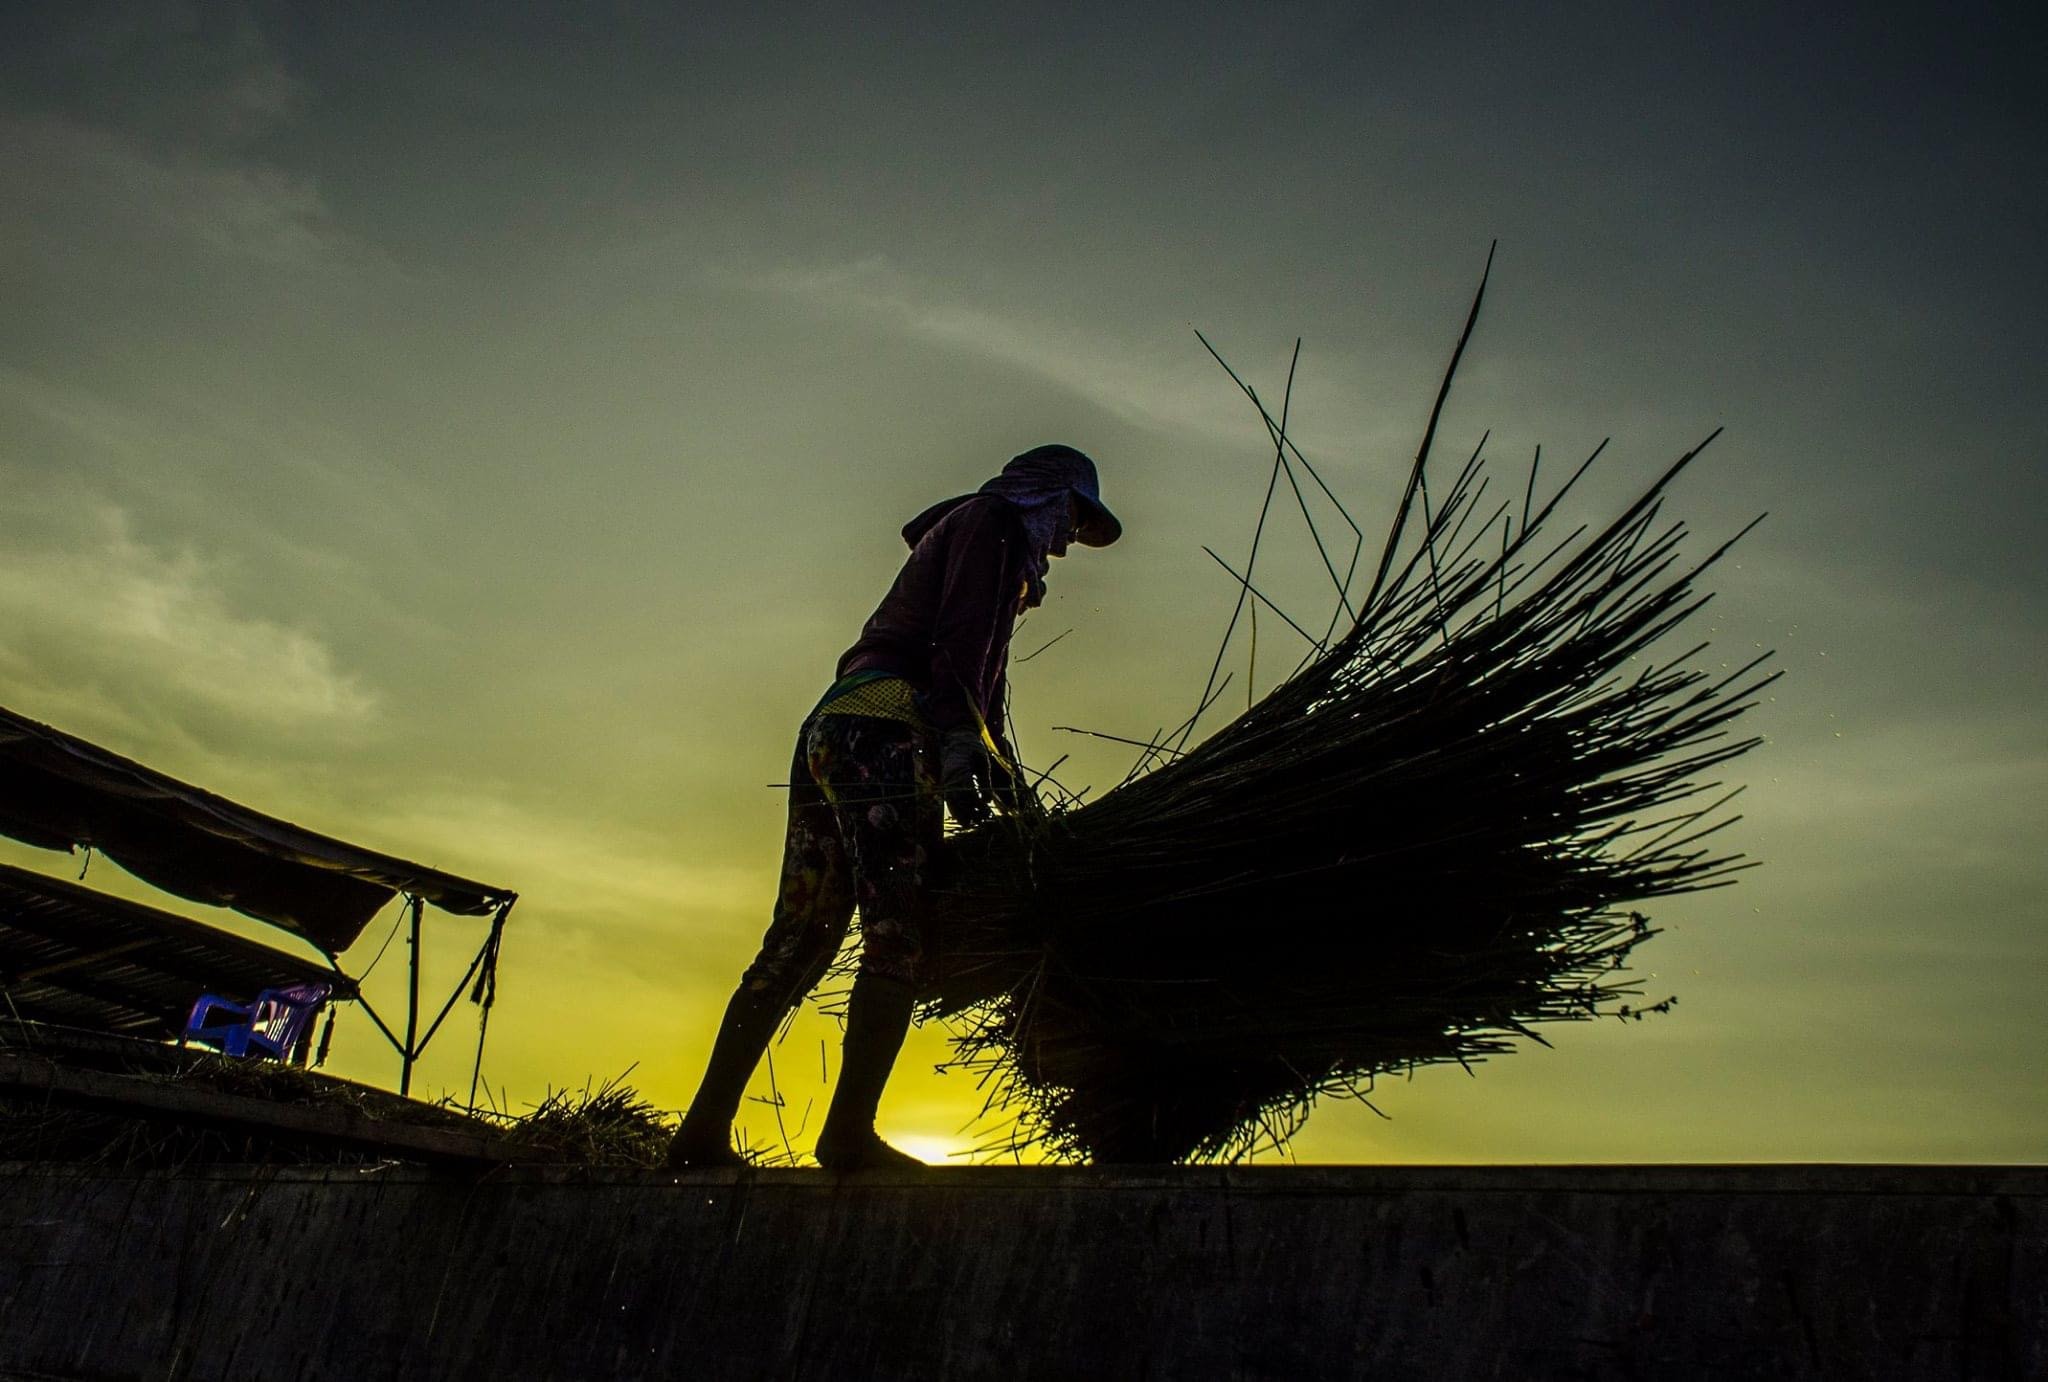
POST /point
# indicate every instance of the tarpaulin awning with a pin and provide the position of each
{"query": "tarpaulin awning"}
(58, 791)
(80, 958)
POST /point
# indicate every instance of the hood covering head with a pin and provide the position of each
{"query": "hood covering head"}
(1041, 485)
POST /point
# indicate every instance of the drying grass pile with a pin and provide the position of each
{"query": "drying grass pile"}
(1433, 837)
(611, 1125)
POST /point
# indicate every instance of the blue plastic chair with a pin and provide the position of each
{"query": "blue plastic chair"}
(276, 1025)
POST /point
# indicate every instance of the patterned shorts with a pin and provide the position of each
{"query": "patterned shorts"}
(864, 824)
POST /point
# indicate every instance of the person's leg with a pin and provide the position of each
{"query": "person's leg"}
(888, 812)
(877, 1019)
(812, 908)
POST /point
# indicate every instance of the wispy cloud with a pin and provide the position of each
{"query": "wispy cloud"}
(66, 178)
(578, 866)
(87, 605)
(148, 128)
(1132, 380)
(169, 447)
(105, 429)
(206, 73)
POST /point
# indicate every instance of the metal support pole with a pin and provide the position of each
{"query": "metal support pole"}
(412, 1004)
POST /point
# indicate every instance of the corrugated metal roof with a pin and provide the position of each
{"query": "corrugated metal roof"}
(84, 959)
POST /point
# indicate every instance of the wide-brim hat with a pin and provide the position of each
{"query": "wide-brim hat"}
(1099, 527)
(1045, 468)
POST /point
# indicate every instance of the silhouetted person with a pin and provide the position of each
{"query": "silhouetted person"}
(913, 721)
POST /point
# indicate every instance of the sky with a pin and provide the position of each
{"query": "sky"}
(475, 432)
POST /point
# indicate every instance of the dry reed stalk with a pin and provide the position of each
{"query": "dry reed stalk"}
(1428, 840)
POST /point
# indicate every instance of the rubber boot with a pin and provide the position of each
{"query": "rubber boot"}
(877, 1017)
(705, 1138)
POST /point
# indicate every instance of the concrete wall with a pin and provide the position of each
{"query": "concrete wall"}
(1778, 1272)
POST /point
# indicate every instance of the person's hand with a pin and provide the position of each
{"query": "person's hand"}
(964, 775)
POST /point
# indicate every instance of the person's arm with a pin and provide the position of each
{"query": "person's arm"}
(977, 607)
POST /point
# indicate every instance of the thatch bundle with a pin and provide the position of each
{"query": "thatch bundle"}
(1427, 840)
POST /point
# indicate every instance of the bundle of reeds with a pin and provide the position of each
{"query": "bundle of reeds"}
(1429, 839)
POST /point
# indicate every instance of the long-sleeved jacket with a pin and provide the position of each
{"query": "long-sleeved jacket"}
(945, 624)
